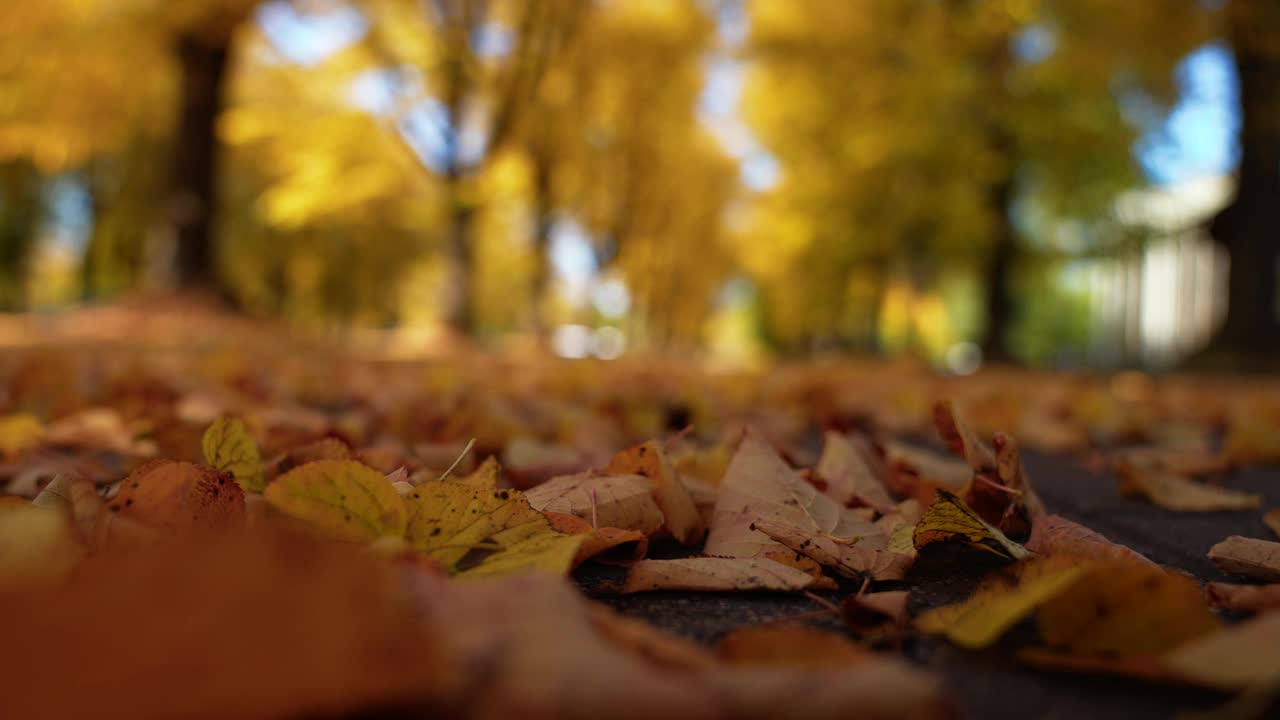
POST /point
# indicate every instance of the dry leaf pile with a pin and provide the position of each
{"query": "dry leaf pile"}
(280, 533)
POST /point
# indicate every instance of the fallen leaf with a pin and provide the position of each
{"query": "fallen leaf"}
(485, 476)
(37, 545)
(1251, 440)
(997, 606)
(1245, 598)
(1123, 610)
(613, 545)
(228, 447)
(1272, 520)
(1175, 492)
(342, 498)
(98, 527)
(19, 433)
(476, 530)
(851, 471)
(680, 515)
(917, 472)
(620, 501)
(1057, 536)
(171, 495)
(298, 628)
(864, 555)
(759, 486)
(655, 646)
(718, 573)
(1174, 460)
(1233, 658)
(875, 613)
(525, 646)
(1257, 559)
(948, 519)
(788, 645)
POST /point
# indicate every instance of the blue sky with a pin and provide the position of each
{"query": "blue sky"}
(1199, 136)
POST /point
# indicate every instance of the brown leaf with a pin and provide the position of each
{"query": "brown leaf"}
(1175, 492)
(1056, 535)
(916, 472)
(606, 544)
(1175, 460)
(789, 645)
(852, 472)
(136, 635)
(718, 573)
(875, 612)
(171, 495)
(1272, 520)
(1245, 598)
(680, 515)
(618, 501)
(759, 486)
(1257, 559)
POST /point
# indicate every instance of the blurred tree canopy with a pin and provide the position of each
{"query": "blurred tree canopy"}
(409, 161)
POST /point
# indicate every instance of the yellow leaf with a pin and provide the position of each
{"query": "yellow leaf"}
(19, 433)
(36, 545)
(993, 609)
(229, 447)
(450, 521)
(949, 519)
(342, 498)
(484, 477)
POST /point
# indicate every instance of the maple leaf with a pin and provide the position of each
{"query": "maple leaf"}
(342, 498)
(866, 554)
(759, 486)
(228, 447)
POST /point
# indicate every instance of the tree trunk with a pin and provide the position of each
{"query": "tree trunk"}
(203, 64)
(1249, 228)
(20, 210)
(998, 271)
(459, 311)
(544, 219)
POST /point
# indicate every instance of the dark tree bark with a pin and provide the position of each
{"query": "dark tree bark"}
(998, 270)
(544, 221)
(203, 63)
(1249, 228)
(20, 211)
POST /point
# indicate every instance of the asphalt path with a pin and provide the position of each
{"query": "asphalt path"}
(988, 685)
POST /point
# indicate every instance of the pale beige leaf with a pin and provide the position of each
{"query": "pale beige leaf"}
(1233, 658)
(851, 471)
(619, 501)
(759, 486)
(868, 555)
(1175, 492)
(1257, 559)
(716, 573)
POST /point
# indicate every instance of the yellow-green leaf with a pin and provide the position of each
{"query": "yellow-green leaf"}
(495, 530)
(342, 498)
(229, 447)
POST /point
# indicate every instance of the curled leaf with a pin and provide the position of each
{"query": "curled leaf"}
(948, 519)
(717, 573)
(1257, 559)
(680, 515)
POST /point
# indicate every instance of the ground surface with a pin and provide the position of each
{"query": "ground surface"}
(988, 686)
